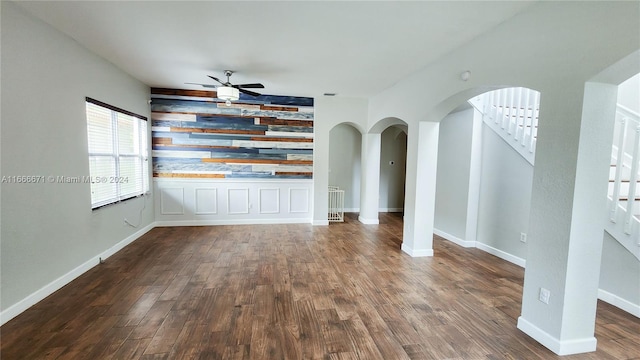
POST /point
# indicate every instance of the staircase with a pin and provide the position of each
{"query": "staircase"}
(623, 198)
(513, 114)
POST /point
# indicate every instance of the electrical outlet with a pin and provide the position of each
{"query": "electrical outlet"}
(544, 295)
(523, 237)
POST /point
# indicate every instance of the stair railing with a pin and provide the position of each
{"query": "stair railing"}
(625, 120)
(513, 114)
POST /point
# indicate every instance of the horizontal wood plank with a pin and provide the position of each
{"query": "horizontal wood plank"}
(257, 161)
(183, 92)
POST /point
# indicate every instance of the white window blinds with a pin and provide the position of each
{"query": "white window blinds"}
(118, 154)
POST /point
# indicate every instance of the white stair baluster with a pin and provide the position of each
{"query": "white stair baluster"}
(510, 94)
(505, 99)
(525, 120)
(498, 101)
(525, 112)
(493, 109)
(633, 181)
(534, 121)
(619, 164)
(516, 122)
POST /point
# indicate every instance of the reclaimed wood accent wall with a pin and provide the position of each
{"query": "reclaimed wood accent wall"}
(195, 135)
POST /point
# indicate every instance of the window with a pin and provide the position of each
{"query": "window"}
(118, 155)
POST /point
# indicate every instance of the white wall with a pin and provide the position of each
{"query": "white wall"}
(345, 144)
(452, 184)
(505, 195)
(329, 112)
(392, 176)
(49, 230)
(182, 202)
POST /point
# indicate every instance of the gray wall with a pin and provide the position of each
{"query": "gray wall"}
(392, 177)
(49, 229)
(620, 271)
(344, 163)
(505, 195)
(452, 181)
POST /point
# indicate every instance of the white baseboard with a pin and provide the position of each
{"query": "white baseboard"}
(567, 347)
(391, 210)
(454, 239)
(502, 254)
(484, 247)
(368, 221)
(623, 304)
(417, 252)
(320, 222)
(32, 299)
(166, 223)
(355, 210)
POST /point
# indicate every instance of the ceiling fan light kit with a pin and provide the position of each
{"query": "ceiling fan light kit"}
(228, 94)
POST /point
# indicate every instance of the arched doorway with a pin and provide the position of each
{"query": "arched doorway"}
(345, 143)
(393, 166)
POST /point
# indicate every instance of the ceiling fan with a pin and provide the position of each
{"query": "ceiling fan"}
(230, 92)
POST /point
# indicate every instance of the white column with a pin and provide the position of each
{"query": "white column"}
(320, 177)
(567, 216)
(420, 191)
(473, 199)
(370, 178)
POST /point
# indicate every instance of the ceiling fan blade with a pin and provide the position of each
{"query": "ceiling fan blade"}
(216, 79)
(203, 85)
(250, 86)
(247, 92)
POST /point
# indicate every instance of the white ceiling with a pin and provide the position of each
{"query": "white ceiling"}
(300, 48)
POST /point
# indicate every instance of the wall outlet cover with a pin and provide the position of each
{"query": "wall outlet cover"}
(523, 237)
(544, 295)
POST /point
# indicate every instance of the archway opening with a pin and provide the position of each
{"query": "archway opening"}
(393, 166)
(345, 147)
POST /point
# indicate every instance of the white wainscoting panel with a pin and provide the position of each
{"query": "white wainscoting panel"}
(172, 201)
(184, 202)
(269, 200)
(298, 200)
(238, 201)
(206, 201)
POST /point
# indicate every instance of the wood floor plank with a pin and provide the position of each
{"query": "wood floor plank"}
(344, 291)
(152, 320)
(264, 339)
(164, 339)
(310, 333)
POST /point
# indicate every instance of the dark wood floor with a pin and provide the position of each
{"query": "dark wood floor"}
(344, 291)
